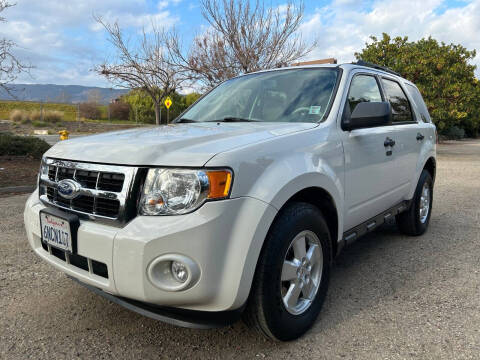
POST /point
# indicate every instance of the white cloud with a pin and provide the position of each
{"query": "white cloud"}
(62, 39)
(64, 42)
(342, 28)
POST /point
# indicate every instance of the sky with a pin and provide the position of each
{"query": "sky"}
(63, 41)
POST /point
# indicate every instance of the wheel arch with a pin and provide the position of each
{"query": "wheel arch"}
(321, 199)
(431, 167)
(325, 202)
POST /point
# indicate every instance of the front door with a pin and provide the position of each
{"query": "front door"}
(371, 180)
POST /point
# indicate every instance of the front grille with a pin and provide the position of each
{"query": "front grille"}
(95, 267)
(110, 182)
(88, 178)
(103, 193)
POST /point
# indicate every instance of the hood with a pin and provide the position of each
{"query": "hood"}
(169, 145)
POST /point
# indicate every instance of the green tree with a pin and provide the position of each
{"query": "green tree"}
(142, 108)
(442, 73)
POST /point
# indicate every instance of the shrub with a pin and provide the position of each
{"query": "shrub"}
(50, 116)
(89, 111)
(25, 117)
(455, 133)
(22, 145)
(53, 116)
(35, 115)
(18, 115)
(119, 111)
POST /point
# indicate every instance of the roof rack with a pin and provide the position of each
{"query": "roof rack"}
(375, 66)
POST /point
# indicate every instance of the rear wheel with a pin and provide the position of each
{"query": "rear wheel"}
(415, 220)
(292, 275)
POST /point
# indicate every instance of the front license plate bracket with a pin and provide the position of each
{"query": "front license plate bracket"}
(73, 221)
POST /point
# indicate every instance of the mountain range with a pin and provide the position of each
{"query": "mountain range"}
(60, 93)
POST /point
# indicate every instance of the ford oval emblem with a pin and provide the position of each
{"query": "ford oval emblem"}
(68, 188)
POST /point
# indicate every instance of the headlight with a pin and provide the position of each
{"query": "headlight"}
(179, 191)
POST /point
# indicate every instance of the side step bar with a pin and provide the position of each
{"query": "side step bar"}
(358, 231)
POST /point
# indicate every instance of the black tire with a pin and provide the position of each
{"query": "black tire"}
(265, 310)
(409, 222)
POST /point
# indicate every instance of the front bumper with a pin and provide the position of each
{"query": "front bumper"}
(224, 238)
(180, 317)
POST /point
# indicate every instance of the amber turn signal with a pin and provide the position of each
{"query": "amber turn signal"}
(220, 183)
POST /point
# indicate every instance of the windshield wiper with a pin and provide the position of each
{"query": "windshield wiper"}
(185, 120)
(233, 119)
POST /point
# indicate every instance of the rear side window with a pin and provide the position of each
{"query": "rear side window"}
(364, 88)
(418, 102)
(401, 110)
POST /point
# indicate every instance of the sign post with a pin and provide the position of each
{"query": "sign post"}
(168, 103)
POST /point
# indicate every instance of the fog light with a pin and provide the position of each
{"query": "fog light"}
(173, 272)
(179, 271)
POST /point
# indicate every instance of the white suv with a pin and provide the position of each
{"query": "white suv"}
(241, 205)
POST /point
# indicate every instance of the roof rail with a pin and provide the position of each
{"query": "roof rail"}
(316, 62)
(375, 66)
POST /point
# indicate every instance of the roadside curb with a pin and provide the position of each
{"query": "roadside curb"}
(17, 189)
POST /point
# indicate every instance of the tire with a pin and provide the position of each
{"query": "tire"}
(412, 222)
(266, 309)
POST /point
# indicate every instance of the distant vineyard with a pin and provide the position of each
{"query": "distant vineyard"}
(69, 111)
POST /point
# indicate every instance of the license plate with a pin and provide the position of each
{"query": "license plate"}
(56, 231)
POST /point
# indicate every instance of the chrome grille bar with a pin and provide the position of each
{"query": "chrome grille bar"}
(108, 206)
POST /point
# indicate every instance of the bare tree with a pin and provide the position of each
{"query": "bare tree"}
(10, 66)
(144, 65)
(244, 37)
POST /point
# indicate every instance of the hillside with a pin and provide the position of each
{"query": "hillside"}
(59, 93)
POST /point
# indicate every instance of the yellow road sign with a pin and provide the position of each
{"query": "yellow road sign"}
(168, 102)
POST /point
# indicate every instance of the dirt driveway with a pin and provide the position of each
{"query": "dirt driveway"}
(391, 296)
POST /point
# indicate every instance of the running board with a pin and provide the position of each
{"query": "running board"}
(358, 231)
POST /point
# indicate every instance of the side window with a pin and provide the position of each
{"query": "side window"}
(400, 106)
(419, 103)
(364, 88)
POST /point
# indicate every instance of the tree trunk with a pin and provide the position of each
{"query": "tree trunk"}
(157, 113)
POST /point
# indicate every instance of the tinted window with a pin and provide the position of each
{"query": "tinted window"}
(400, 106)
(364, 88)
(296, 95)
(419, 103)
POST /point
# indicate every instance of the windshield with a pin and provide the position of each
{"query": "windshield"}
(293, 95)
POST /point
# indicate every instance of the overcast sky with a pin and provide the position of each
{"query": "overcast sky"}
(63, 41)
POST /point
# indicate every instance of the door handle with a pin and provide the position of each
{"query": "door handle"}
(389, 142)
(420, 137)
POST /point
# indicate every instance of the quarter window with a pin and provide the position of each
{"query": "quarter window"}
(364, 88)
(419, 103)
(400, 106)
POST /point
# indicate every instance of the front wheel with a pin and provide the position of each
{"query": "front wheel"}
(415, 220)
(292, 275)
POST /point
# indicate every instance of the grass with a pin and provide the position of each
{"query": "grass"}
(6, 107)
(69, 112)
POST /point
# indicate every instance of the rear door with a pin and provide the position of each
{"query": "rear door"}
(407, 136)
(370, 176)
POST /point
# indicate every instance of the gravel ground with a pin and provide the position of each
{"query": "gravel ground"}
(391, 296)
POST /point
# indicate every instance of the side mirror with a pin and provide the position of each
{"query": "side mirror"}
(368, 114)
